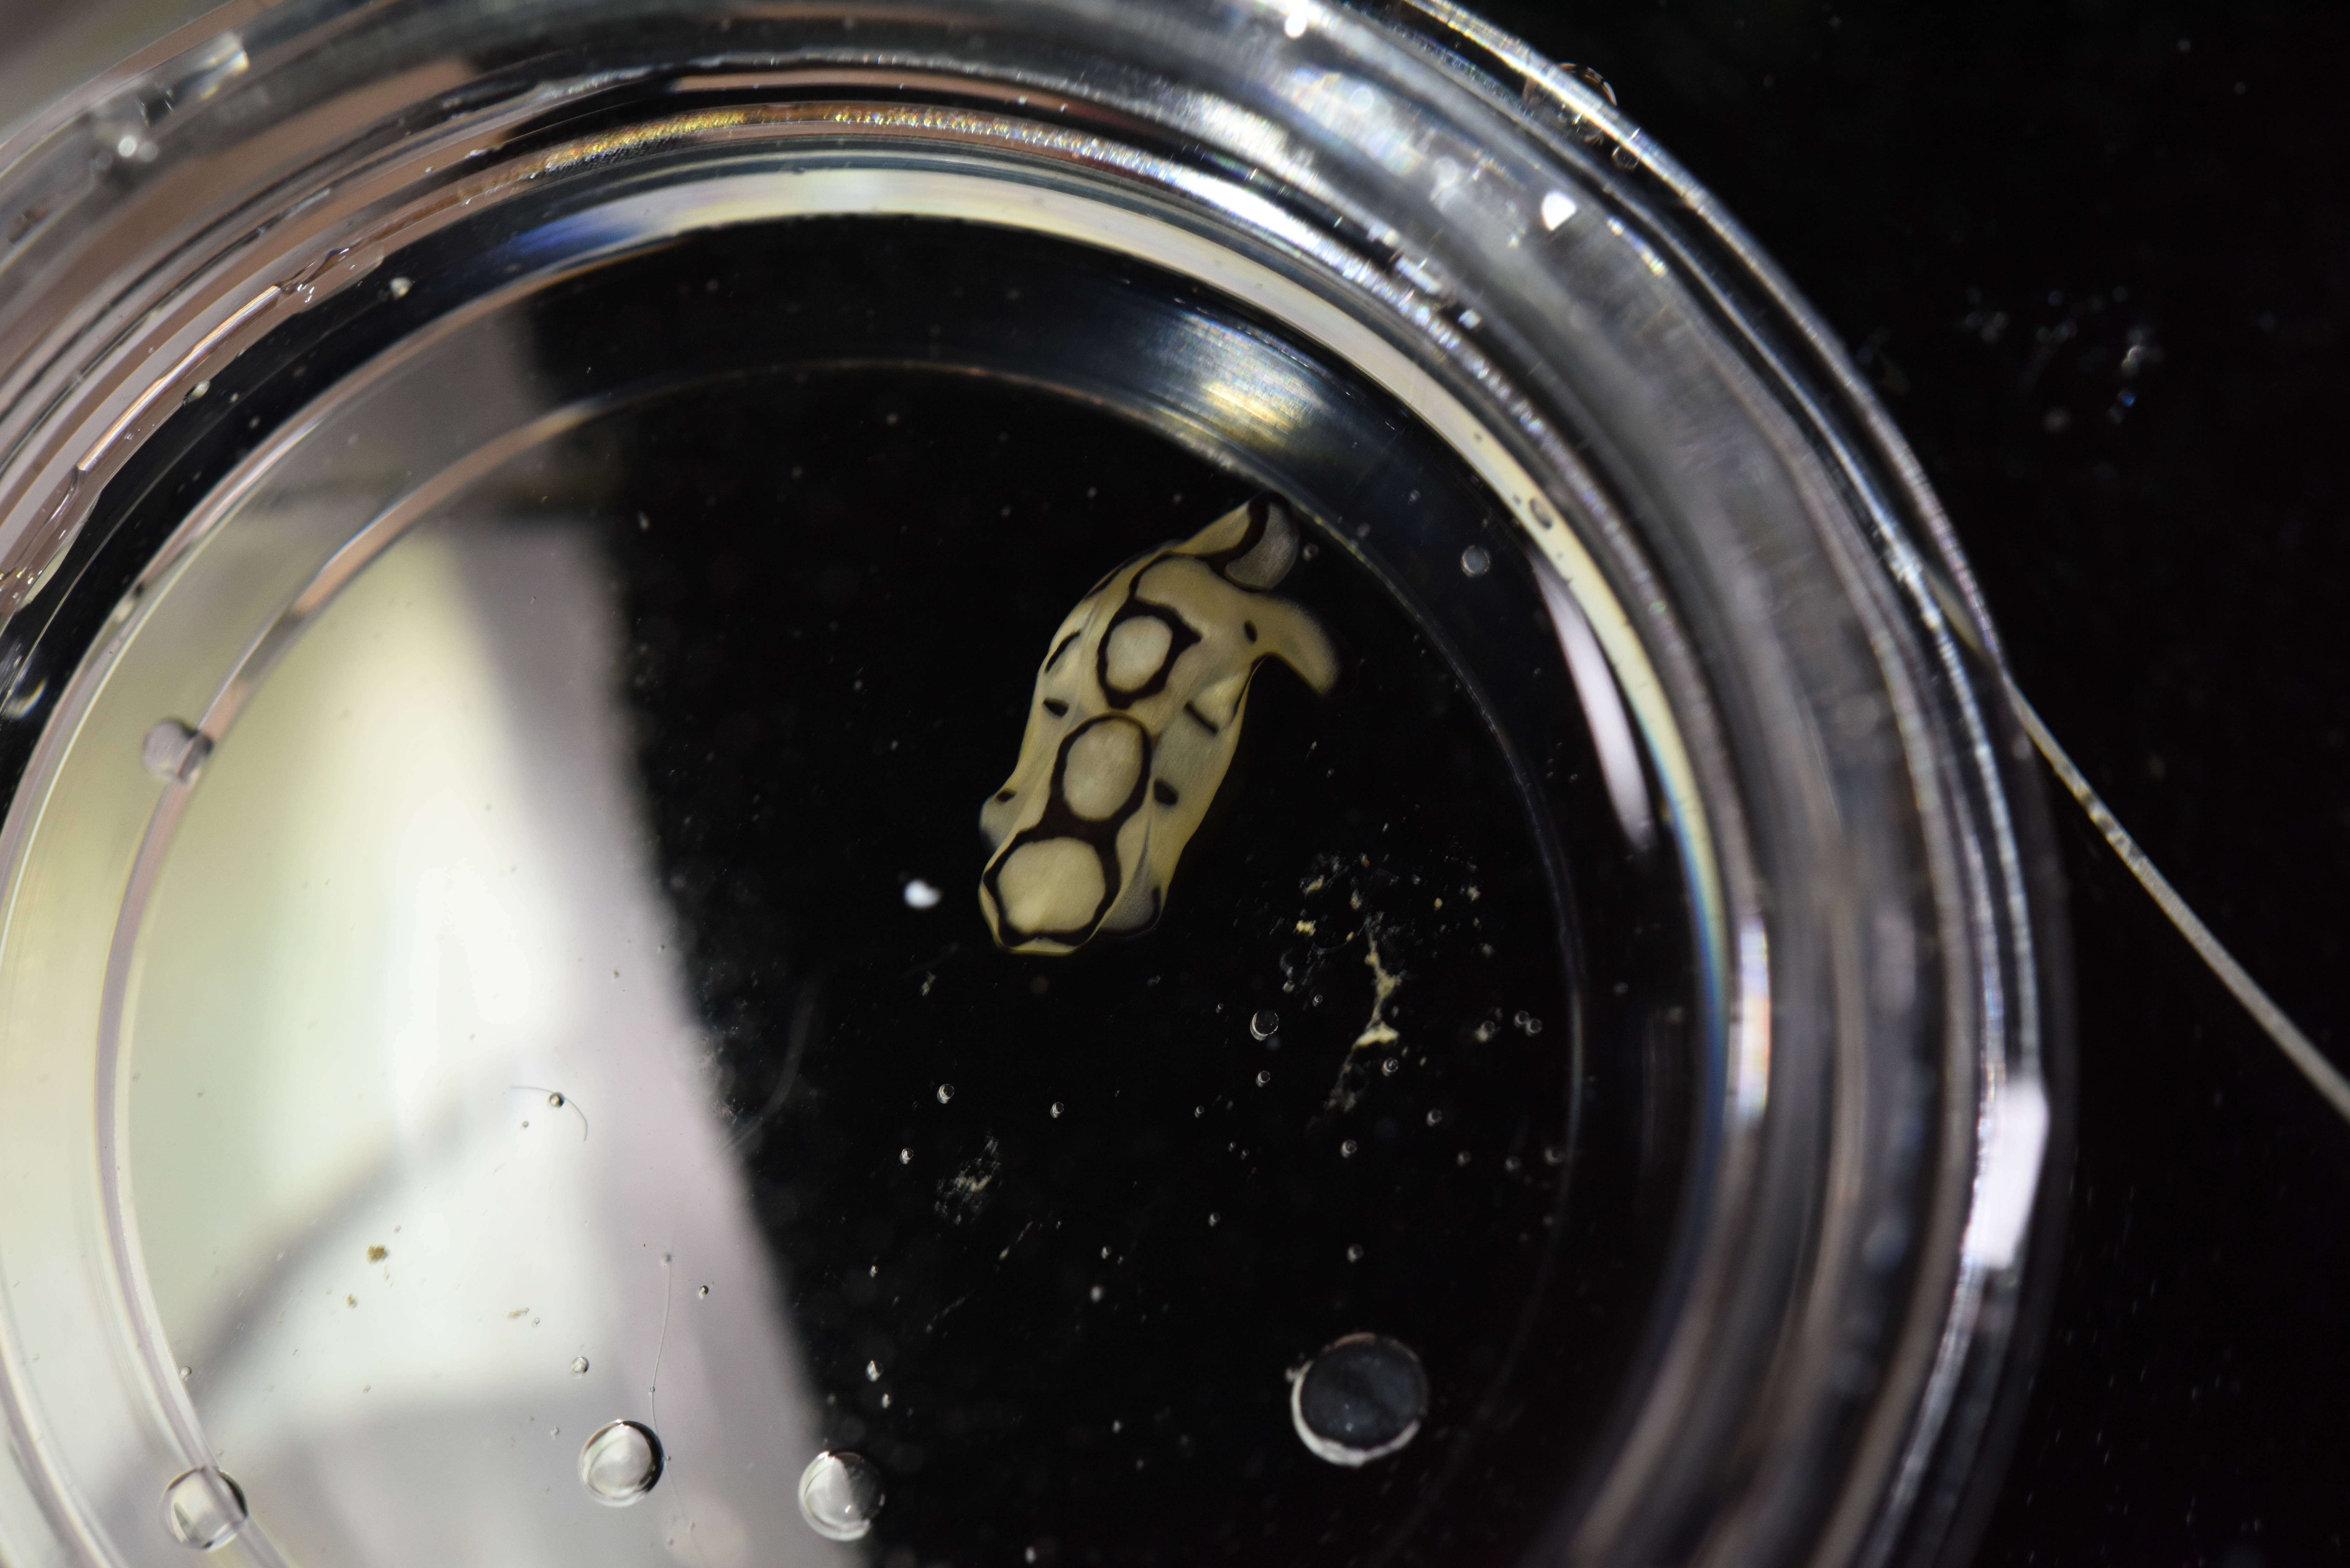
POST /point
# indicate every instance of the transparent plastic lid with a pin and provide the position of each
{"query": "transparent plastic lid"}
(1049, 783)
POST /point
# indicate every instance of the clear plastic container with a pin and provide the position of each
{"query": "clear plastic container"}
(529, 536)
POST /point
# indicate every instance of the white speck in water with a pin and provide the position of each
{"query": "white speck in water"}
(1528, 1021)
(1484, 1031)
(203, 1508)
(1462, 1159)
(199, 390)
(840, 1495)
(1263, 1078)
(1475, 562)
(1361, 1399)
(400, 287)
(905, 1156)
(873, 1372)
(1265, 1022)
(1346, 1149)
(1552, 1154)
(946, 1093)
(1391, 1066)
(1057, 1109)
(619, 1462)
(1096, 1293)
(1354, 1252)
(1556, 207)
(885, 1401)
(920, 895)
(1214, 1218)
(578, 1366)
(1435, 1117)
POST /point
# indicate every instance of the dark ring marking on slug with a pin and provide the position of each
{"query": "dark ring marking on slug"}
(1202, 719)
(1055, 707)
(1163, 792)
(1066, 642)
(1248, 630)
(1060, 820)
(1003, 794)
(1181, 635)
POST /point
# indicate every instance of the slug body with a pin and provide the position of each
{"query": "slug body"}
(1137, 713)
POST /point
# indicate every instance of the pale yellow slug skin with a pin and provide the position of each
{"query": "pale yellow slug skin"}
(1137, 713)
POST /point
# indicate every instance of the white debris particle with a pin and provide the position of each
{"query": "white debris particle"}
(920, 895)
(1378, 1030)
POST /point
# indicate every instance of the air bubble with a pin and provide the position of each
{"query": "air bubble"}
(920, 895)
(873, 1372)
(555, 1099)
(1361, 1399)
(165, 743)
(578, 1366)
(1346, 1149)
(1262, 1079)
(1391, 1066)
(1475, 562)
(203, 1508)
(946, 1093)
(1057, 1109)
(1263, 1024)
(621, 1462)
(840, 1495)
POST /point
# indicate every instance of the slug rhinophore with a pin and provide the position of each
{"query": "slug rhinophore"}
(1136, 712)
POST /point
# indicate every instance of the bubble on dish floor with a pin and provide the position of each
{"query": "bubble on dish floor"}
(1361, 1399)
(165, 742)
(1264, 1022)
(578, 1366)
(619, 1462)
(203, 1508)
(1475, 562)
(840, 1495)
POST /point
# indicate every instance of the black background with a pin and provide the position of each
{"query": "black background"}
(1991, 206)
